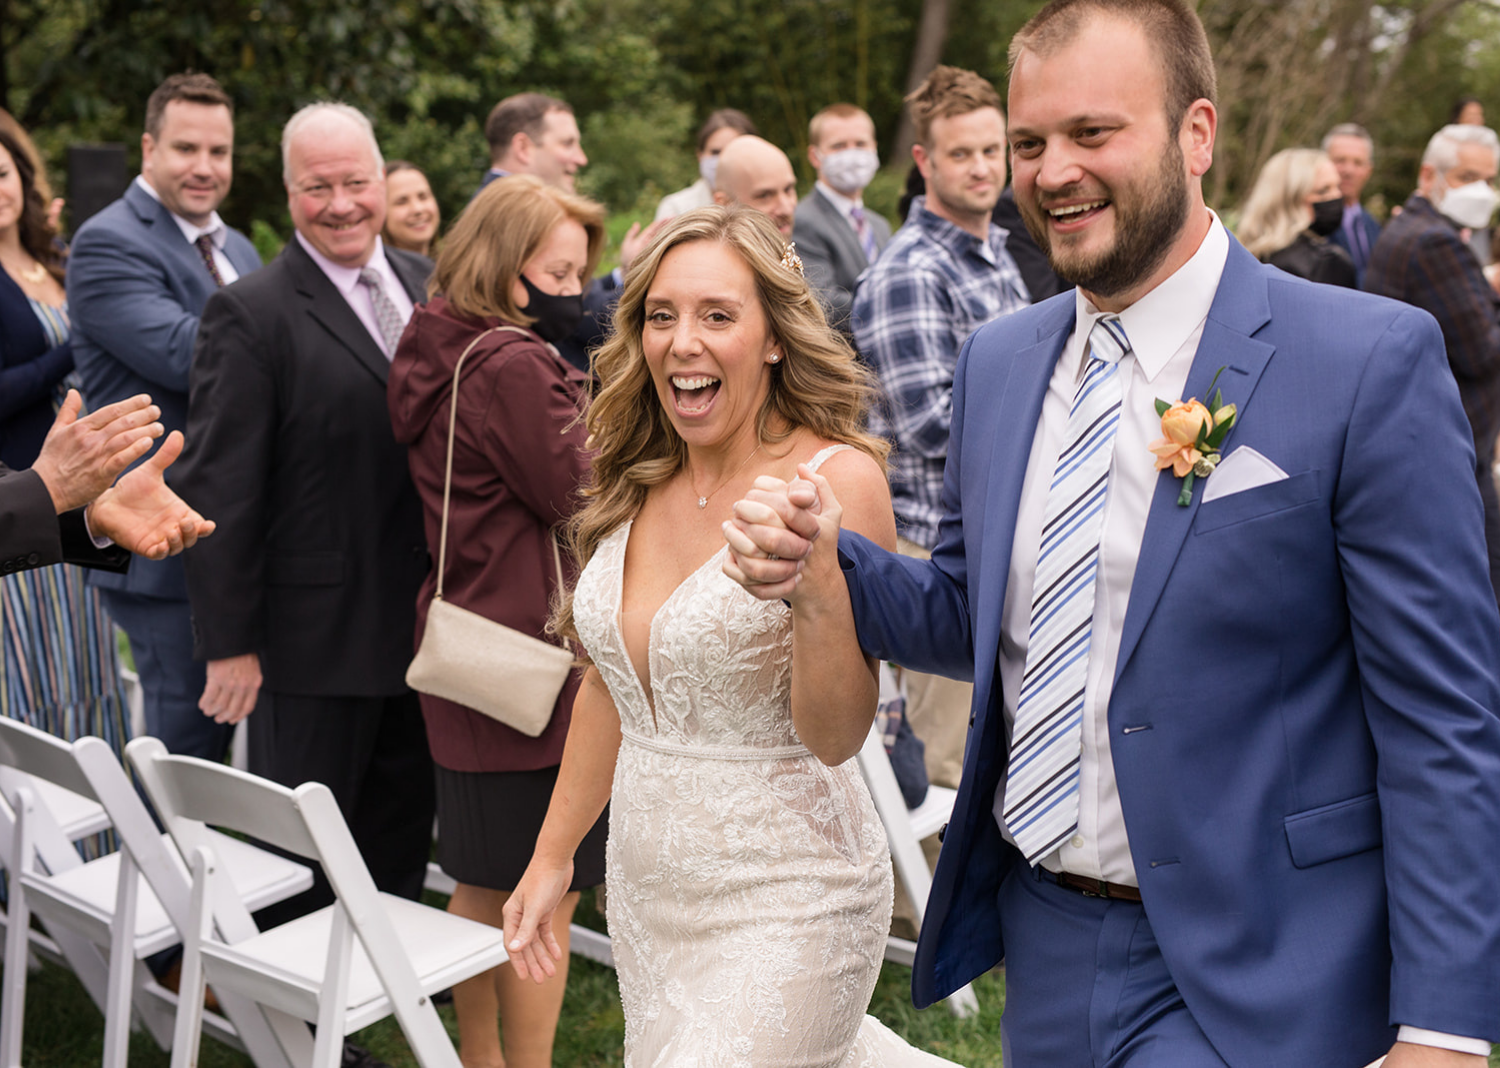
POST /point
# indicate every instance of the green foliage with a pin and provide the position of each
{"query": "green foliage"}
(268, 243)
(636, 158)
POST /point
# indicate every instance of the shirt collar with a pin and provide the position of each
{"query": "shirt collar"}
(346, 278)
(955, 238)
(843, 203)
(217, 232)
(1161, 322)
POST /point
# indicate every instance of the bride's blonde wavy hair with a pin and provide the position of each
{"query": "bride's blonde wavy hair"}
(818, 384)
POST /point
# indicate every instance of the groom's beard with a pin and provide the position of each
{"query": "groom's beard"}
(1147, 219)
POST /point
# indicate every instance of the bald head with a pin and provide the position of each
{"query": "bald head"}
(755, 173)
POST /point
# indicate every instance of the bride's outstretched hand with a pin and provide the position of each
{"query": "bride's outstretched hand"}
(529, 938)
(774, 529)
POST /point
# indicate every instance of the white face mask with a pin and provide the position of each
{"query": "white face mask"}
(708, 168)
(1469, 205)
(850, 171)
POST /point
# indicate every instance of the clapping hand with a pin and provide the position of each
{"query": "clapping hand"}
(142, 514)
(636, 239)
(81, 456)
(775, 529)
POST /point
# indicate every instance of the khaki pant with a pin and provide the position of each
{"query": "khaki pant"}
(937, 708)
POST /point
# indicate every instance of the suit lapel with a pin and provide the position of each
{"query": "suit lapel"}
(413, 270)
(331, 311)
(835, 223)
(190, 270)
(1239, 310)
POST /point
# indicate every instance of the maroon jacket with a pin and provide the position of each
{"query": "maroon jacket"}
(518, 460)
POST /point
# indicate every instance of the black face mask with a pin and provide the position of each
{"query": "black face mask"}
(556, 317)
(1328, 216)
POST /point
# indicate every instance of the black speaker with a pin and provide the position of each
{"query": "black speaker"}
(96, 178)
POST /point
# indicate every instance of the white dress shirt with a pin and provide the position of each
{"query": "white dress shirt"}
(1164, 328)
(217, 232)
(346, 281)
(845, 204)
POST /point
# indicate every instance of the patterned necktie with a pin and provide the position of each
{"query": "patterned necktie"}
(386, 315)
(1354, 233)
(1041, 789)
(865, 232)
(206, 250)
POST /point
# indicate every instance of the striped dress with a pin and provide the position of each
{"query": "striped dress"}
(59, 669)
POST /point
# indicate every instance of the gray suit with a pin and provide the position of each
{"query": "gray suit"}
(831, 253)
(136, 288)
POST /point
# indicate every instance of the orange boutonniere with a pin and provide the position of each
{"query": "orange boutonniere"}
(1191, 436)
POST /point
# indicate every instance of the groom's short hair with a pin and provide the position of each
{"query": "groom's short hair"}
(1172, 27)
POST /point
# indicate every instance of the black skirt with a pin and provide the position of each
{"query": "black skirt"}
(488, 822)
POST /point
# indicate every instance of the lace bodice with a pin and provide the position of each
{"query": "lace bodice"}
(720, 659)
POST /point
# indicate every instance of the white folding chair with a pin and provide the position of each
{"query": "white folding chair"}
(364, 957)
(904, 829)
(135, 901)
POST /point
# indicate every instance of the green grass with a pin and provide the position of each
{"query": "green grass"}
(65, 1030)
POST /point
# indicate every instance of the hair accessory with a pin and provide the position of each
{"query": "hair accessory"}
(790, 260)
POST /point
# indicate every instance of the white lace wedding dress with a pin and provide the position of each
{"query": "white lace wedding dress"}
(749, 884)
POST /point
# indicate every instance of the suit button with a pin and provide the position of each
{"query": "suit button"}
(942, 832)
(34, 559)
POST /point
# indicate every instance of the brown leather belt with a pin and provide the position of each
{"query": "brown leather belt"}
(1093, 887)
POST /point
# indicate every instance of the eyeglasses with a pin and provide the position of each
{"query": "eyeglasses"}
(352, 187)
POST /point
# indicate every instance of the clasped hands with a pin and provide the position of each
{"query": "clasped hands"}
(81, 458)
(776, 531)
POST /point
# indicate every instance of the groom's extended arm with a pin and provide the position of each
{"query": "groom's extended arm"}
(1409, 529)
(913, 612)
(916, 612)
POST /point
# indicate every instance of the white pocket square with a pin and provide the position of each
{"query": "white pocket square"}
(1241, 470)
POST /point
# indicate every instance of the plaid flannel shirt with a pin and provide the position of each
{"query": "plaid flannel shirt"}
(1421, 260)
(933, 286)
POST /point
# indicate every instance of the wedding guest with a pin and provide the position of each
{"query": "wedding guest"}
(518, 258)
(411, 211)
(720, 128)
(58, 643)
(1292, 211)
(749, 877)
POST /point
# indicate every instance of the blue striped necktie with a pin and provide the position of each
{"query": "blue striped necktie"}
(1041, 788)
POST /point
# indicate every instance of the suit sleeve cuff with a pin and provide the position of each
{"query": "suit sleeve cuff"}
(1418, 1036)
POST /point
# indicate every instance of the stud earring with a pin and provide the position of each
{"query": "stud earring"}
(775, 357)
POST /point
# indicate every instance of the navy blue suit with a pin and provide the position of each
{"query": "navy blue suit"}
(136, 288)
(30, 370)
(1310, 777)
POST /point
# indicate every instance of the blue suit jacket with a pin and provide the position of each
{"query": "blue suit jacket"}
(136, 289)
(1303, 716)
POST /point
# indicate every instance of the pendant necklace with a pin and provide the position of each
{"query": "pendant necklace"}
(33, 274)
(703, 500)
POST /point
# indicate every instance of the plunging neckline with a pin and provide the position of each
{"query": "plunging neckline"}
(644, 688)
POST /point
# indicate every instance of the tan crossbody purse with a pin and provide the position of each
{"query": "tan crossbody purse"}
(464, 657)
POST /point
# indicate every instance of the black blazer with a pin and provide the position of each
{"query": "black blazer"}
(319, 549)
(32, 534)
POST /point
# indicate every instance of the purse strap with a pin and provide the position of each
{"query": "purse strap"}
(448, 467)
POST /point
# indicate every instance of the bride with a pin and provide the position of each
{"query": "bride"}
(748, 874)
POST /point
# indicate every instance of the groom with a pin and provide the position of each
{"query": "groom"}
(1231, 793)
